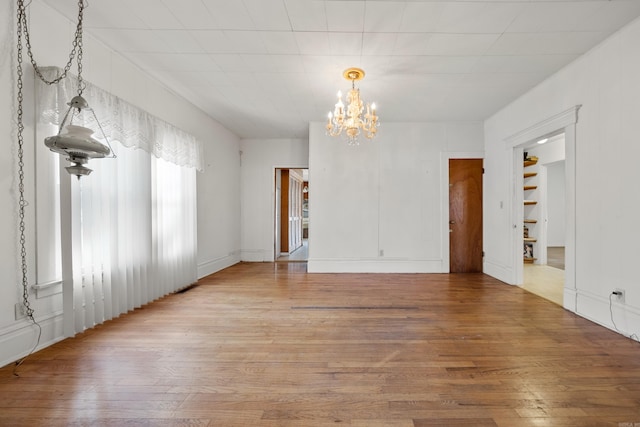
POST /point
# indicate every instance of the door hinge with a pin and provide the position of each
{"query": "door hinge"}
(482, 254)
(483, 170)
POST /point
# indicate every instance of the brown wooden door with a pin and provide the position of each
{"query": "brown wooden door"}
(465, 215)
(284, 211)
(290, 210)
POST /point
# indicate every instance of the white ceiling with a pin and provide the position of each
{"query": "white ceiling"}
(266, 68)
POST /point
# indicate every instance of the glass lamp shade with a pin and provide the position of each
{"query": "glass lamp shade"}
(77, 143)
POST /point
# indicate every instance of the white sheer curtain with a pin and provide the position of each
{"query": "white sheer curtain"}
(121, 121)
(137, 236)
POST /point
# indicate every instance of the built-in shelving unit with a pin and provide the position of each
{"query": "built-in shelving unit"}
(529, 220)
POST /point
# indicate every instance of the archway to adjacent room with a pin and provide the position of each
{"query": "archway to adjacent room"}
(291, 225)
(562, 123)
(544, 219)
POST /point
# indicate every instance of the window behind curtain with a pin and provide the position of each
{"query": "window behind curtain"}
(135, 240)
(138, 234)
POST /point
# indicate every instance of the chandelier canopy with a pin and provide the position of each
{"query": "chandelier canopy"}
(351, 121)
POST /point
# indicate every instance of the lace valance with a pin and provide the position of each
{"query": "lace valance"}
(120, 120)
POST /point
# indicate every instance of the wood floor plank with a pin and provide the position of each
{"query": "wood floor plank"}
(264, 345)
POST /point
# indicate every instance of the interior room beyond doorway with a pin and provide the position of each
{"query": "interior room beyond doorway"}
(292, 215)
(544, 216)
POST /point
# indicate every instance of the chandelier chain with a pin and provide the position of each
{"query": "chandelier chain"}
(76, 46)
(22, 203)
(76, 51)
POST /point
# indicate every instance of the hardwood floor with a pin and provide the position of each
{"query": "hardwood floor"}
(265, 344)
(544, 281)
(299, 255)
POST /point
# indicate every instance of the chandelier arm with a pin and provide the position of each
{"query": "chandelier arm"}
(336, 132)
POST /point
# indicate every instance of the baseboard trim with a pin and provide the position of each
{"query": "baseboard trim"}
(499, 271)
(596, 309)
(215, 265)
(374, 266)
(569, 298)
(256, 255)
(18, 339)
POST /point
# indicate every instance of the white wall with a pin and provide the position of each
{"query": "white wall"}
(382, 206)
(218, 186)
(260, 158)
(555, 204)
(606, 82)
(219, 204)
(9, 264)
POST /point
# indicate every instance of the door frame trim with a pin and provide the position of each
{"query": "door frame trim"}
(445, 156)
(274, 205)
(567, 122)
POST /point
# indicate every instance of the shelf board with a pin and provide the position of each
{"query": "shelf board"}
(530, 221)
(529, 260)
(530, 163)
(530, 239)
(530, 202)
(530, 187)
(530, 174)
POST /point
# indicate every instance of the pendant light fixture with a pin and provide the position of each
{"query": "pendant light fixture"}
(350, 120)
(74, 138)
(75, 142)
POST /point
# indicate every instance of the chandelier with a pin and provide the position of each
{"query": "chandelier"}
(351, 121)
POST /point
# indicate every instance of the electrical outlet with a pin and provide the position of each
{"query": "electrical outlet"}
(619, 294)
(20, 311)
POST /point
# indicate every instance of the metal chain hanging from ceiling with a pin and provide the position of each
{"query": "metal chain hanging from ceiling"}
(76, 51)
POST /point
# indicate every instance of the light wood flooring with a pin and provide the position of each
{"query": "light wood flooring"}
(544, 281)
(547, 281)
(299, 255)
(265, 344)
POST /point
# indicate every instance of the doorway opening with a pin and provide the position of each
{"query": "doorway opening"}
(544, 217)
(563, 123)
(291, 228)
